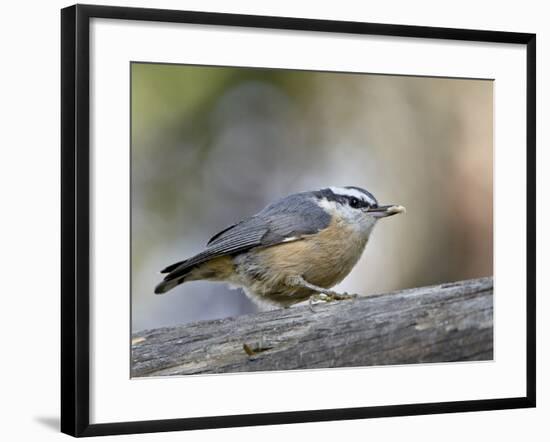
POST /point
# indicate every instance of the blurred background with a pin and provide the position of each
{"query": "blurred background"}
(211, 145)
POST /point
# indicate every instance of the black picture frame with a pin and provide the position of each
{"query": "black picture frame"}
(75, 211)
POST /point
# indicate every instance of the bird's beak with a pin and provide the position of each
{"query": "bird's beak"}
(384, 211)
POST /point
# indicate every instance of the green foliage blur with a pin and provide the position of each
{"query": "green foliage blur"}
(211, 145)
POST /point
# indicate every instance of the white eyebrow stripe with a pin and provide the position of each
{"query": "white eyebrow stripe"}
(352, 192)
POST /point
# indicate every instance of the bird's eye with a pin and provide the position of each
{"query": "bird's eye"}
(354, 202)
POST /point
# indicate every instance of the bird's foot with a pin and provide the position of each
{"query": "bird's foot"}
(341, 296)
(329, 296)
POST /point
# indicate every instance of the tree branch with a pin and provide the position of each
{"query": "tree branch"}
(443, 323)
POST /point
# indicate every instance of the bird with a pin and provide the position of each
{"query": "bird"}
(295, 249)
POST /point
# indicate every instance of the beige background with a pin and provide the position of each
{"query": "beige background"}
(211, 145)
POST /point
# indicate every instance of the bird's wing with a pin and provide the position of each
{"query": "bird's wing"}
(238, 237)
(283, 221)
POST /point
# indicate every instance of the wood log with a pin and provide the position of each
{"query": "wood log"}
(442, 323)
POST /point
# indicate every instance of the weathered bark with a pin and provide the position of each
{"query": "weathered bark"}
(443, 323)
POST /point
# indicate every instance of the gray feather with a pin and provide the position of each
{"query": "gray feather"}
(292, 217)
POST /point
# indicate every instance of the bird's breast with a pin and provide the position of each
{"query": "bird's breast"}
(334, 252)
(323, 259)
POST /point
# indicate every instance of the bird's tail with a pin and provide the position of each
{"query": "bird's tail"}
(173, 278)
(166, 285)
(173, 267)
(194, 269)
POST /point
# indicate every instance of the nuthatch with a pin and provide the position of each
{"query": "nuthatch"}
(296, 247)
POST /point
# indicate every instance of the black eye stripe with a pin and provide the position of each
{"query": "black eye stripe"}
(328, 194)
(356, 202)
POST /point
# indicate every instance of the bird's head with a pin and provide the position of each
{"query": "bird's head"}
(355, 207)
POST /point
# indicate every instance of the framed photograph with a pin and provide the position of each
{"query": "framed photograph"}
(222, 177)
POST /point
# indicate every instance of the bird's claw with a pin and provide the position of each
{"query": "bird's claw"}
(329, 297)
(343, 296)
